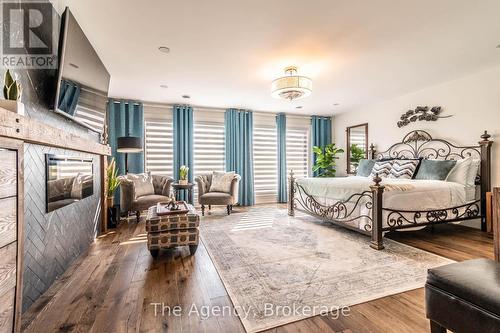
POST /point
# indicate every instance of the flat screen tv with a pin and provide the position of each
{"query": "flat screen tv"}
(82, 77)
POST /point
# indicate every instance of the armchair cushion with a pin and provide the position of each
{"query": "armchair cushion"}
(217, 198)
(221, 181)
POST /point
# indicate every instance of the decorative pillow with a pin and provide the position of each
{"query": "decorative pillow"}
(403, 169)
(382, 168)
(221, 181)
(459, 173)
(473, 170)
(365, 167)
(143, 183)
(434, 169)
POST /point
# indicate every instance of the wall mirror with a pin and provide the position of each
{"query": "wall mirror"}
(357, 145)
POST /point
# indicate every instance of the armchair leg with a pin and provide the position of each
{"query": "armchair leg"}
(228, 209)
(202, 210)
(209, 207)
(138, 216)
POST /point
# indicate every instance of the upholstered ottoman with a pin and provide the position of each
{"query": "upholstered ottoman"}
(169, 231)
(464, 297)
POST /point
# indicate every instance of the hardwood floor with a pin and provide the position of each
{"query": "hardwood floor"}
(112, 287)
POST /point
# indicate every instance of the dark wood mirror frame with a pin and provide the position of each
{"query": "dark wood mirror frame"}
(348, 130)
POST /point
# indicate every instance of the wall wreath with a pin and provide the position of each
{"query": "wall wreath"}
(421, 113)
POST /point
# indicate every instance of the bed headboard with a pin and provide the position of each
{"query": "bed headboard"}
(419, 143)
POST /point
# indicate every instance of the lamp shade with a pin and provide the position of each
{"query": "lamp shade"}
(128, 144)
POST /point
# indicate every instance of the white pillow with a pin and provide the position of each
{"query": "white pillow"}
(382, 168)
(473, 170)
(143, 183)
(460, 172)
(221, 181)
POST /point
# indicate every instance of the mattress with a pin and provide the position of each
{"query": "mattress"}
(399, 194)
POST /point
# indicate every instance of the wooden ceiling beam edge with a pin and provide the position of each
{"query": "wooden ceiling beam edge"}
(13, 125)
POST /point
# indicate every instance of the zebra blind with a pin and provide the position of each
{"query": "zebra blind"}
(297, 151)
(265, 162)
(158, 140)
(91, 109)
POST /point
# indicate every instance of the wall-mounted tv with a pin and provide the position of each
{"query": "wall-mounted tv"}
(83, 79)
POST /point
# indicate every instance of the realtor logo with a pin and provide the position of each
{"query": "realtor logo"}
(28, 35)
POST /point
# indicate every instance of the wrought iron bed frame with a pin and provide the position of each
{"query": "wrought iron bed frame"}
(415, 144)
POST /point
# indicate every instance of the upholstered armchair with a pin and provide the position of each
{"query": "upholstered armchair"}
(207, 195)
(141, 191)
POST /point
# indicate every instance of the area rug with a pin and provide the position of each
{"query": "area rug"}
(279, 269)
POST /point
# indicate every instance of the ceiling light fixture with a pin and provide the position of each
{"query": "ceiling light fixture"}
(186, 96)
(164, 86)
(336, 104)
(291, 86)
(299, 107)
(164, 49)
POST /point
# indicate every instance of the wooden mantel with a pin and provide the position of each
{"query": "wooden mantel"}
(15, 126)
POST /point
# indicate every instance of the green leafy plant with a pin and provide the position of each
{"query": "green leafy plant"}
(112, 176)
(183, 172)
(357, 154)
(326, 160)
(11, 88)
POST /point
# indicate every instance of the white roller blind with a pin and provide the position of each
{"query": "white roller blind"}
(265, 158)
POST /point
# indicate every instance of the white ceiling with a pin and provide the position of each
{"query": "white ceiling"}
(225, 53)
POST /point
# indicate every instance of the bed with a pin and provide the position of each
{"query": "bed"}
(374, 205)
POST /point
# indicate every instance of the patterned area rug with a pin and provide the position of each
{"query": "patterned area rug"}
(278, 269)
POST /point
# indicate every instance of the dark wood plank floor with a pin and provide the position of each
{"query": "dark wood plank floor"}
(112, 286)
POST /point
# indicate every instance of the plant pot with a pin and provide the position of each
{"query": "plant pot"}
(183, 181)
(13, 106)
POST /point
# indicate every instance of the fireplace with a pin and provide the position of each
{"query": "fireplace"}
(68, 179)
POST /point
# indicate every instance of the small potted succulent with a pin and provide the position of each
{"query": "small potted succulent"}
(113, 181)
(12, 95)
(183, 175)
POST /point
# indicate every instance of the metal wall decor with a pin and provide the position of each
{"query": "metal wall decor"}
(421, 113)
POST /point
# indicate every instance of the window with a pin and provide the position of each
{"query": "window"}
(209, 150)
(91, 109)
(265, 158)
(159, 140)
(297, 150)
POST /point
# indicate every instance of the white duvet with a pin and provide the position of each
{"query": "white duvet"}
(399, 194)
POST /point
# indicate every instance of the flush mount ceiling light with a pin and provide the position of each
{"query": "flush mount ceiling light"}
(164, 49)
(186, 96)
(164, 86)
(291, 86)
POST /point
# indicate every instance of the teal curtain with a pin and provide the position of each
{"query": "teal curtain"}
(69, 92)
(282, 170)
(239, 151)
(183, 142)
(321, 134)
(125, 118)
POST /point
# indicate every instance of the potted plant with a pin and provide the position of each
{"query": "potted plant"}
(326, 158)
(12, 95)
(183, 175)
(113, 181)
(357, 154)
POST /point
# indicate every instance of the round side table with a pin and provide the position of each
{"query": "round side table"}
(183, 187)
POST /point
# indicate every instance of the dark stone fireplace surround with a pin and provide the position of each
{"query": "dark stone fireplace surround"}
(52, 240)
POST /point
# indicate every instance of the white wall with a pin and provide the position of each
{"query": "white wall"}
(474, 102)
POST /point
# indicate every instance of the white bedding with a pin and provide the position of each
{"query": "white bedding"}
(400, 194)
